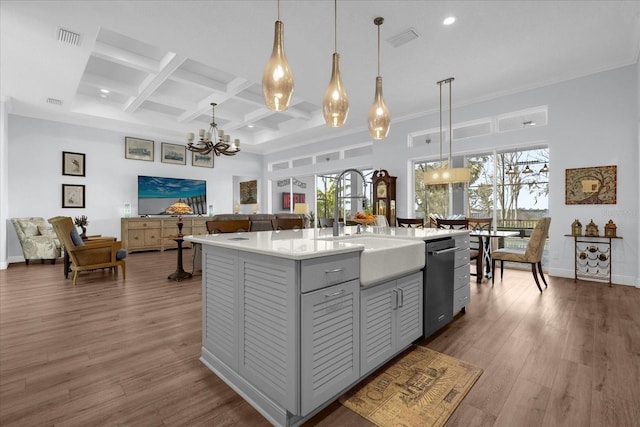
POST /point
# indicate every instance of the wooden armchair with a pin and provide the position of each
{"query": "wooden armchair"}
(228, 226)
(89, 256)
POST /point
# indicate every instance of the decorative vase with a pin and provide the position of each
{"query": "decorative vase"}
(83, 236)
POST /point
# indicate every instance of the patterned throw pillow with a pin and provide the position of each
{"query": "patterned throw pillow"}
(28, 228)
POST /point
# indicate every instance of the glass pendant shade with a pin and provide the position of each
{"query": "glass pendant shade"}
(277, 78)
(379, 117)
(335, 103)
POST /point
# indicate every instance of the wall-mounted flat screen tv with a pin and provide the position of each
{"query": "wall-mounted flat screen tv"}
(156, 194)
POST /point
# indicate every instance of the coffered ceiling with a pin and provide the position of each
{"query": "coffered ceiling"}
(164, 62)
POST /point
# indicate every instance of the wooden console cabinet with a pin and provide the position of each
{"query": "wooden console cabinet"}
(153, 233)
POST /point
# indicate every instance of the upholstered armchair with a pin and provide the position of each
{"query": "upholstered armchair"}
(37, 238)
(89, 256)
(531, 255)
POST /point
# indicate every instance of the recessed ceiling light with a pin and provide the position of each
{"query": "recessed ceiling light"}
(104, 90)
(449, 20)
(250, 126)
(103, 95)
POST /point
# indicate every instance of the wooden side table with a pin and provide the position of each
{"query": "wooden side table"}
(179, 274)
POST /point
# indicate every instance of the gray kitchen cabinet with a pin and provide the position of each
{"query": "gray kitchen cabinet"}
(330, 342)
(287, 350)
(461, 274)
(268, 327)
(391, 319)
(219, 301)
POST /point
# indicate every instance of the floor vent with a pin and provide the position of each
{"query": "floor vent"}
(403, 37)
(68, 37)
(54, 101)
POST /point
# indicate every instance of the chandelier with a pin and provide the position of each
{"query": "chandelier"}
(448, 174)
(213, 140)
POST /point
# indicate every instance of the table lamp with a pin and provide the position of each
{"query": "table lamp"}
(179, 208)
(301, 208)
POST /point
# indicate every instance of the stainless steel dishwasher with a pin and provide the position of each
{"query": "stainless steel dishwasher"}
(438, 284)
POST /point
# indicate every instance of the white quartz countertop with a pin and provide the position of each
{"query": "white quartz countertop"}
(313, 242)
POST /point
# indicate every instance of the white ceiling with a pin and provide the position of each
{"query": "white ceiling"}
(165, 61)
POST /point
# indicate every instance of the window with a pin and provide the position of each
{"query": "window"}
(429, 198)
(513, 185)
(353, 197)
(521, 187)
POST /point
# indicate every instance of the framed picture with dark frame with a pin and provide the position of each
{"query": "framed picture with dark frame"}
(138, 149)
(202, 160)
(72, 196)
(297, 198)
(174, 153)
(73, 164)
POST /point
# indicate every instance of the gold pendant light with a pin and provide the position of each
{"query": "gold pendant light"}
(335, 103)
(379, 117)
(447, 175)
(277, 78)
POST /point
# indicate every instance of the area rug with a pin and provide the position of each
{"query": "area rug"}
(420, 387)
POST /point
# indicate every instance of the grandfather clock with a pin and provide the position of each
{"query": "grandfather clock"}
(384, 195)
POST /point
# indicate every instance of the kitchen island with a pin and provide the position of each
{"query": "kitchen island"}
(288, 324)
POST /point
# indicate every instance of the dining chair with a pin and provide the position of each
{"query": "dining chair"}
(410, 222)
(228, 226)
(532, 254)
(326, 222)
(474, 253)
(480, 224)
(453, 224)
(289, 223)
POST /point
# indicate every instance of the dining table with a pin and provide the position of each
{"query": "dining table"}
(484, 242)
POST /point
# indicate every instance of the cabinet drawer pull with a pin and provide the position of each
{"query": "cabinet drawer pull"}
(443, 251)
(336, 270)
(335, 294)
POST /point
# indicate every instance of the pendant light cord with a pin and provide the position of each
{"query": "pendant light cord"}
(440, 85)
(335, 25)
(379, 48)
(450, 127)
(278, 10)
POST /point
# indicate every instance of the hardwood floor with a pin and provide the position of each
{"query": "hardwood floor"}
(108, 352)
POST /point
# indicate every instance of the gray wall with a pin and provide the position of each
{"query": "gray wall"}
(593, 121)
(35, 175)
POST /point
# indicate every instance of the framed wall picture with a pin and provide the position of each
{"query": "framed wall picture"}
(72, 196)
(73, 164)
(138, 149)
(202, 160)
(297, 198)
(591, 186)
(249, 192)
(174, 153)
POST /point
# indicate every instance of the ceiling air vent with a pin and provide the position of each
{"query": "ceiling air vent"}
(54, 101)
(403, 38)
(68, 37)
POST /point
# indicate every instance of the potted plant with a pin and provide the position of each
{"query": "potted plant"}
(82, 222)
